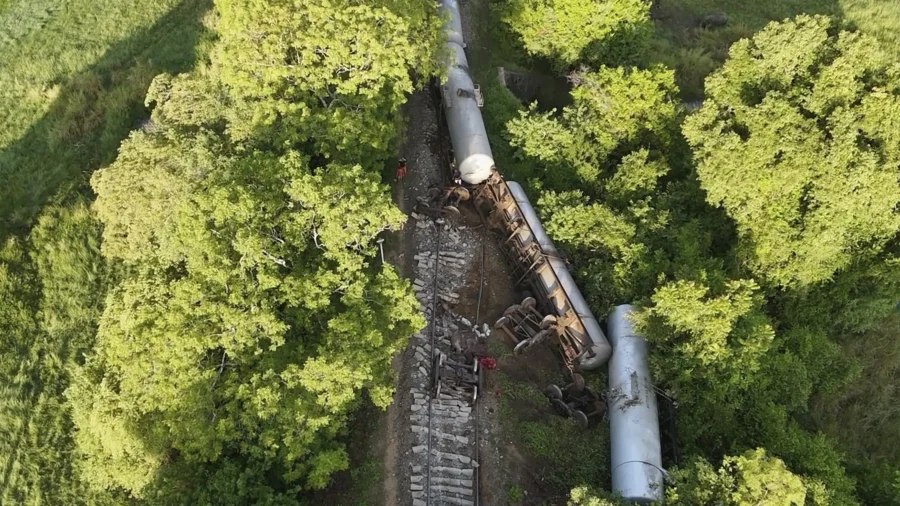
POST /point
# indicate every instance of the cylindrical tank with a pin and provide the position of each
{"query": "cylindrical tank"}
(467, 133)
(637, 473)
(558, 271)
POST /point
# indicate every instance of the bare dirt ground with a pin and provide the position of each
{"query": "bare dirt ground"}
(422, 150)
(426, 149)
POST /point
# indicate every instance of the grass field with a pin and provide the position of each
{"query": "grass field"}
(72, 81)
(694, 52)
(73, 76)
(865, 418)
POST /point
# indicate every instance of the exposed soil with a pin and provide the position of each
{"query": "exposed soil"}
(422, 149)
(426, 149)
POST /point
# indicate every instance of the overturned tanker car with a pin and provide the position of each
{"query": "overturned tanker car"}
(558, 312)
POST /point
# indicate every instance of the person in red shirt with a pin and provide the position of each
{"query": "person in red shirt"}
(401, 169)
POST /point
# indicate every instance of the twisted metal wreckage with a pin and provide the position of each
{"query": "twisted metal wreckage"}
(558, 313)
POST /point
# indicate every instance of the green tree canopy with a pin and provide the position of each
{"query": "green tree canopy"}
(570, 31)
(613, 143)
(750, 479)
(741, 358)
(248, 320)
(329, 74)
(798, 142)
(614, 111)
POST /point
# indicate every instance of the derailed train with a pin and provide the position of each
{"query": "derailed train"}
(559, 311)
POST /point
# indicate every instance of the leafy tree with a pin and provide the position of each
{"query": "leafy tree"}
(584, 496)
(727, 332)
(750, 479)
(249, 322)
(569, 31)
(329, 74)
(793, 142)
(226, 483)
(742, 357)
(248, 319)
(614, 111)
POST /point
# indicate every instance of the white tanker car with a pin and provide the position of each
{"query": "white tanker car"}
(559, 311)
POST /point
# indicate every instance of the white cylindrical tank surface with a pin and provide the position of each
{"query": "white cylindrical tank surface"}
(600, 349)
(637, 473)
(467, 133)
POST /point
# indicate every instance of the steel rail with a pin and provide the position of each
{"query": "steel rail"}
(434, 309)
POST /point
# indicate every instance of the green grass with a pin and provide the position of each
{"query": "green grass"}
(881, 18)
(515, 494)
(499, 349)
(568, 455)
(72, 86)
(694, 52)
(364, 477)
(73, 76)
(865, 417)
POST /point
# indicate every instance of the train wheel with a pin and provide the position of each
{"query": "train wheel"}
(461, 193)
(549, 321)
(522, 346)
(529, 303)
(502, 322)
(578, 382)
(553, 392)
(451, 210)
(512, 309)
(580, 418)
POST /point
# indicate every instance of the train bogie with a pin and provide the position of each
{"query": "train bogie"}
(559, 313)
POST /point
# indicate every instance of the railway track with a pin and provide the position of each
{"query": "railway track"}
(447, 380)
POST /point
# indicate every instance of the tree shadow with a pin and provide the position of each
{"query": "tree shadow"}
(52, 163)
(92, 113)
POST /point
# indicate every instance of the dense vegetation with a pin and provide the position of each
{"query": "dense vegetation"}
(571, 31)
(189, 313)
(694, 51)
(759, 233)
(200, 333)
(68, 96)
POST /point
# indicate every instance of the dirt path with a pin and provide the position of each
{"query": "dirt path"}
(426, 151)
(421, 149)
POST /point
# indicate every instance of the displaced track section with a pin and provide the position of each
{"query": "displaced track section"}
(447, 381)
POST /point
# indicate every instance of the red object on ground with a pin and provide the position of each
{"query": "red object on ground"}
(488, 362)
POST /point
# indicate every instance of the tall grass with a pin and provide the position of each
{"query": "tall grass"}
(865, 418)
(878, 17)
(73, 76)
(72, 81)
